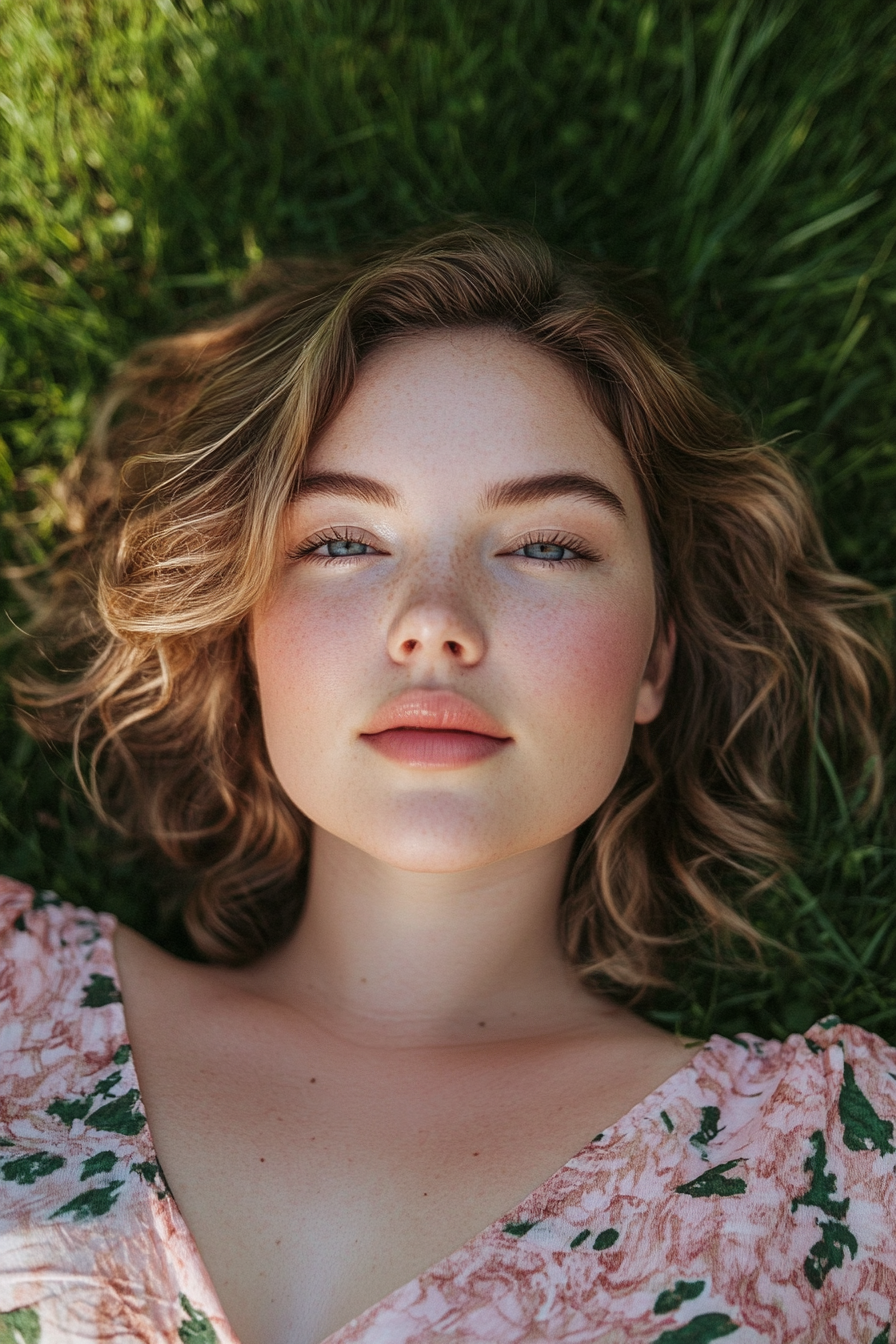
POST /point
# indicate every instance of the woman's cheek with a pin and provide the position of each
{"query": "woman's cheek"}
(586, 663)
(310, 665)
(588, 716)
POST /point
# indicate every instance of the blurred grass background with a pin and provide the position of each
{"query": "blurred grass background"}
(152, 150)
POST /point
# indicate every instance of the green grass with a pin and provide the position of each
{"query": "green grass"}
(151, 150)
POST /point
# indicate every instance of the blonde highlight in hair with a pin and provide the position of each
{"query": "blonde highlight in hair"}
(198, 450)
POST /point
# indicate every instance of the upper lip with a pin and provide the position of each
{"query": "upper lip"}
(438, 711)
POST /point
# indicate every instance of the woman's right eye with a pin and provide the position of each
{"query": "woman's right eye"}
(343, 546)
(332, 547)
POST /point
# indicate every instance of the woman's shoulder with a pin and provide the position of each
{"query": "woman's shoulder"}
(787, 1131)
(69, 1101)
(47, 948)
(60, 1005)
(752, 1192)
(829, 1092)
(833, 1074)
(90, 1243)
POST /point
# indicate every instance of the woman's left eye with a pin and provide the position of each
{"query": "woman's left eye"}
(545, 550)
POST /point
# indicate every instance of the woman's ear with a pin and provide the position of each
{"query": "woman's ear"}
(652, 692)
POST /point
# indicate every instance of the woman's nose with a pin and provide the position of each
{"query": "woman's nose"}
(432, 633)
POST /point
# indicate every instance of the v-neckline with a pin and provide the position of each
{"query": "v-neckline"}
(653, 1101)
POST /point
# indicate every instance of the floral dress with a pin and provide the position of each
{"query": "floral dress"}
(752, 1195)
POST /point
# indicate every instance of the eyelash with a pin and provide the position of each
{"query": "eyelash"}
(306, 551)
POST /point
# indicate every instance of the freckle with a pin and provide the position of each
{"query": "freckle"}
(424, 1194)
(482, 1024)
(363, 979)
(261, 1159)
(313, 1080)
(277, 1242)
(475, 1155)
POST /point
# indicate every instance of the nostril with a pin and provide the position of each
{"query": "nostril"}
(453, 647)
(409, 645)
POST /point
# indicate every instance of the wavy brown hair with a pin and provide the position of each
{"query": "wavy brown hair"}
(197, 451)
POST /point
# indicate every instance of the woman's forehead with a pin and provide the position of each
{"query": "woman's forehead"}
(463, 406)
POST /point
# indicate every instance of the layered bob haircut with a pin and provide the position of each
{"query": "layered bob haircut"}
(198, 450)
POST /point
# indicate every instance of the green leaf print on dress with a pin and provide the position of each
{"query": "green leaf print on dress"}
(824, 1183)
(117, 1116)
(101, 991)
(69, 1109)
(90, 1203)
(153, 1175)
(602, 1241)
(20, 1327)
(709, 1130)
(44, 900)
(714, 1182)
(107, 1085)
(99, 1164)
(863, 1129)
(700, 1330)
(25, 1170)
(197, 1328)
(148, 1170)
(671, 1298)
(828, 1252)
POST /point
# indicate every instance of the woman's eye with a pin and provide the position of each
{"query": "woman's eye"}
(545, 550)
(342, 546)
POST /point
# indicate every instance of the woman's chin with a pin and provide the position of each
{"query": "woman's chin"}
(448, 835)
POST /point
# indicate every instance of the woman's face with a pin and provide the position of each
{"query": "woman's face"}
(461, 634)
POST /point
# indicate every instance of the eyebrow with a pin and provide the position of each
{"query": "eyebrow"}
(533, 489)
(503, 494)
(364, 488)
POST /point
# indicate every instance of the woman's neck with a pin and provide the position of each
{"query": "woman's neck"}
(395, 958)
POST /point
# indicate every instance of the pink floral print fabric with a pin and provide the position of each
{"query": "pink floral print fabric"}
(752, 1196)
(91, 1244)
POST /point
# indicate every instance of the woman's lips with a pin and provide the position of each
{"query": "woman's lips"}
(433, 749)
(434, 730)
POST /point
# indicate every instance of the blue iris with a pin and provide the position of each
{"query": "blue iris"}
(345, 546)
(543, 550)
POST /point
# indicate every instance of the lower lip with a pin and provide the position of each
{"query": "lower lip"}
(434, 750)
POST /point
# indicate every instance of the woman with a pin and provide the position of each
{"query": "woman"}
(461, 645)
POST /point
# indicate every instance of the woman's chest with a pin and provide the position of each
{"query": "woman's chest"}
(317, 1176)
(315, 1189)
